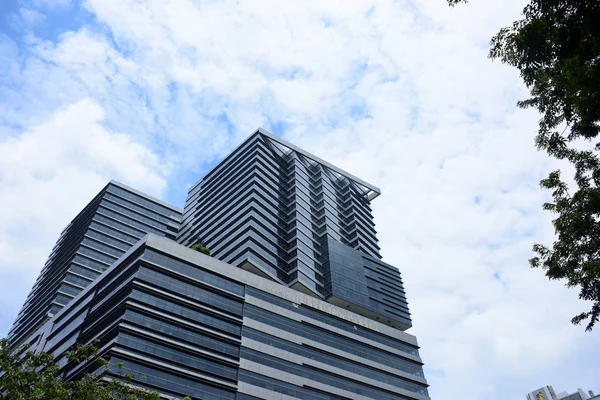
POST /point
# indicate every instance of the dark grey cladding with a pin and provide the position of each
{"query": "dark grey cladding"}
(283, 213)
(366, 285)
(313, 312)
(108, 226)
(187, 324)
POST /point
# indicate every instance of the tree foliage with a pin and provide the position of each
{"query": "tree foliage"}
(556, 47)
(33, 376)
(201, 248)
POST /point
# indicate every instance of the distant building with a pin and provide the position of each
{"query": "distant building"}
(548, 393)
(282, 213)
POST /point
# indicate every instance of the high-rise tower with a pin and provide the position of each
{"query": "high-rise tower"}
(109, 225)
(295, 303)
(285, 214)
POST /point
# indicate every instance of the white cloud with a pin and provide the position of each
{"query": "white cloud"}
(31, 17)
(50, 172)
(399, 93)
(53, 5)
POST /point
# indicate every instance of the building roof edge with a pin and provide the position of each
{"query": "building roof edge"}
(305, 153)
(142, 194)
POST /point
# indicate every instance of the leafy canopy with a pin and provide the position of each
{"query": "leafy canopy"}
(201, 248)
(556, 47)
(34, 376)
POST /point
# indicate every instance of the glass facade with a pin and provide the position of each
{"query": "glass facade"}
(186, 324)
(107, 227)
(295, 301)
(278, 211)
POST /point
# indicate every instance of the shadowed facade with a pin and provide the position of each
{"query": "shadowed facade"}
(109, 225)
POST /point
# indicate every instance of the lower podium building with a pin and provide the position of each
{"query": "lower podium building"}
(186, 324)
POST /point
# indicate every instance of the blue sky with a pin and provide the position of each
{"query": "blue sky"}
(399, 93)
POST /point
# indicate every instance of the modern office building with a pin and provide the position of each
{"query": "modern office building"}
(109, 225)
(548, 393)
(285, 214)
(294, 304)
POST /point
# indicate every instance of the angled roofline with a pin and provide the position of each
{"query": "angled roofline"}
(147, 196)
(372, 192)
(319, 160)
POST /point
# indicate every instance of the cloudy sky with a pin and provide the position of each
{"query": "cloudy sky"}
(399, 93)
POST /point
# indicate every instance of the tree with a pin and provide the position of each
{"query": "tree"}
(556, 47)
(35, 376)
(201, 248)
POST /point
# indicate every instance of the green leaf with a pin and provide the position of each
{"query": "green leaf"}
(556, 48)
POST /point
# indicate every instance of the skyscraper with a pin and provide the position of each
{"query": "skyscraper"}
(109, 225)
(294, 303)
(285, 214)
